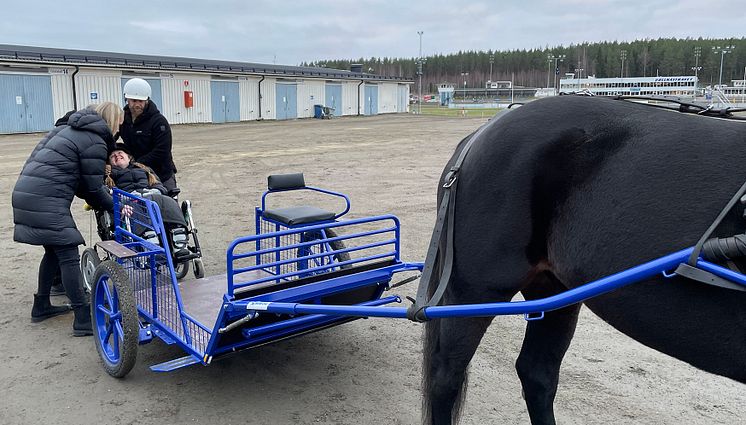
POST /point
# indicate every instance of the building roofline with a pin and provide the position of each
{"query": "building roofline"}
(14, 53)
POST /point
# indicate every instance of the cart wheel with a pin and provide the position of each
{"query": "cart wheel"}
(181, 269)
(114, 319)
(199, 268)
(334, 245)
(337, 245)
(89, 260)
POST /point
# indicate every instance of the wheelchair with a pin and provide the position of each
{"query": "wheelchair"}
(181, 234)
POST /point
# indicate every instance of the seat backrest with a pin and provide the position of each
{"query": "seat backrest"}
(285, 181)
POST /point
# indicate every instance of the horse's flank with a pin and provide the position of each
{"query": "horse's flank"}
(566, 190)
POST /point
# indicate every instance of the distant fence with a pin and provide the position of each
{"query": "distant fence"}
(478, 105)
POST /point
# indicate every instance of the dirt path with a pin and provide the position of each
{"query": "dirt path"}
(367, 371)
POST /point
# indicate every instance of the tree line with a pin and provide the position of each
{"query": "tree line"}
(536, 68)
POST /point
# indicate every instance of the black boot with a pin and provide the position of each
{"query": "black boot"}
(57, 289)
(43, 309)
(82, 323)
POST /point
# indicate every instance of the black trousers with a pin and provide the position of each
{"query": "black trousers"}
(66, 261)
(170, 184)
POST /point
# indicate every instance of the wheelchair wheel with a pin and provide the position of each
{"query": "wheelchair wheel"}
(89, 260)
(181, 269)
(114, 319)
(199, 268)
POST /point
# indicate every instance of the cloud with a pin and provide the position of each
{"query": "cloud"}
(179, 27)
(292, 32)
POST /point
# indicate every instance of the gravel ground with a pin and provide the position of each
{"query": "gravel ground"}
(367, 371)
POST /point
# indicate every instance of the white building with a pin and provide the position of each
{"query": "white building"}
(632, 86)
(38, 85)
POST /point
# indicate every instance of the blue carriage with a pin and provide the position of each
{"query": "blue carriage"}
(303, 270)
(298, 254)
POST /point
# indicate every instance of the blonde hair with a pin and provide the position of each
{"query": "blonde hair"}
(111, 113)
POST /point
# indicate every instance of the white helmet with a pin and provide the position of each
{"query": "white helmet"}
(137, 88)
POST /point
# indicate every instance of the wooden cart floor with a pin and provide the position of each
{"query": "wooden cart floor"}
(202, 298)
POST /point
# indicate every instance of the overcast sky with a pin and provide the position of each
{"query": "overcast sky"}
(288, 33)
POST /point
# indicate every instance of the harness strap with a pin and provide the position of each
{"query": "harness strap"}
(698, 248)
(416, 312)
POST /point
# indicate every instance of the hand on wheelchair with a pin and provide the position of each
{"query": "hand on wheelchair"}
(147, 192)
(127, 210)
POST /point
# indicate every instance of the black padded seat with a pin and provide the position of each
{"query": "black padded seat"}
(293, 216)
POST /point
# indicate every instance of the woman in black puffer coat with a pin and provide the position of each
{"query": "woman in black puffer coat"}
(68, 162)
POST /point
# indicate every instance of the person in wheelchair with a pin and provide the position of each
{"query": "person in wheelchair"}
(124, 173)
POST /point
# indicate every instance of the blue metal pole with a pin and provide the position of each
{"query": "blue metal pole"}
(569, 297)
(727, 274)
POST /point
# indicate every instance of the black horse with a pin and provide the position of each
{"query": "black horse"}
(564, 191)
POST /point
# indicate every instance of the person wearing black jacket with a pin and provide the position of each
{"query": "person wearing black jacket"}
(146, 132)
(57, 288)
(68, 162)
(126, 174)
(130, 176)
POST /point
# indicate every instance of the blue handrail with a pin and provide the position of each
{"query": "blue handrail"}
(231, 256)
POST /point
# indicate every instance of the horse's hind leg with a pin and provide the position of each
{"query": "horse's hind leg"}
(544, 346)
(452, 343)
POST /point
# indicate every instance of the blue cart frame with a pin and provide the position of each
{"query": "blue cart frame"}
(280, 284)
(136, 297)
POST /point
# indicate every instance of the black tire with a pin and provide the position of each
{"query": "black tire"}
(199, 268)
(337, 245)
(181, 269)
(89, 260)
(111, 296)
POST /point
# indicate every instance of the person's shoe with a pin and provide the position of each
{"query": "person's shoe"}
(43, 309)
(57, 289)
(82, 323)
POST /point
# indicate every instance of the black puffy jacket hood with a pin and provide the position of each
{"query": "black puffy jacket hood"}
(89, 120)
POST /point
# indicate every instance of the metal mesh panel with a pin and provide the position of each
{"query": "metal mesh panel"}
(290, 254)
(150, 274)
(267, 227)
(158, 300)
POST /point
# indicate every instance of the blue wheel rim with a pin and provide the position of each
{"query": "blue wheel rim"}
(108, 320)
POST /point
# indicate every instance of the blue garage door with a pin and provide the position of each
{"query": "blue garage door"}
(225, 101)
(333, 96)
(156, 95)
(25, 103)
(371, 99)
(286, 101)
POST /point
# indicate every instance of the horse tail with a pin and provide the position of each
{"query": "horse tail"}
(430, 342)
(431, 347)
(432, 329)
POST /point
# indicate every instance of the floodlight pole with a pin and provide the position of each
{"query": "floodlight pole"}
(723, 52)
(560, 58)
(696, 68)
(492, 60)
(419, 73)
